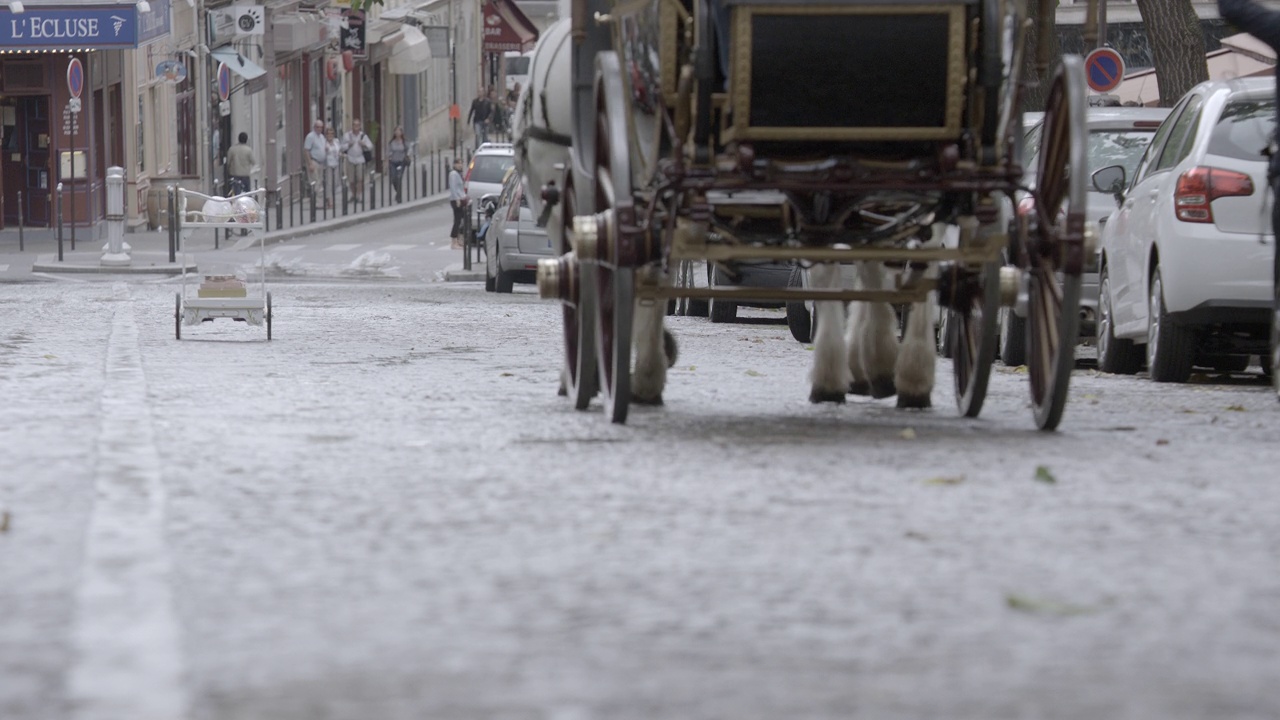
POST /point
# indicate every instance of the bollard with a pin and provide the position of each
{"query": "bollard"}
(21, 244)
(344, 196)
(279, 208)
(173, 225)
(115, 256)
(58, 211)
(312, 195)
(373, 193)
(466, 240)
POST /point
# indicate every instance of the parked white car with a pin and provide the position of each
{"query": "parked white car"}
(1186, 258)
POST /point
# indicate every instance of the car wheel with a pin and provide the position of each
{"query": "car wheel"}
(799, 319)
(503, 281)
(1170, 347)
(1117, 356)
(1013, 338)
(721, 311)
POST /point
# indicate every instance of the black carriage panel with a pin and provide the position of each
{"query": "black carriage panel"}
(852, 71)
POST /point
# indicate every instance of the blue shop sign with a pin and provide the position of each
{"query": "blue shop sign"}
(112, 26)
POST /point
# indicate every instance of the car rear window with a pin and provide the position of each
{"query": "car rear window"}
(490, 168)
(1243, 129)
(1118, 147)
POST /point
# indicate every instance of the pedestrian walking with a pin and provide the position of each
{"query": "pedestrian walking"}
(478, 116)
(397, 159)
(358, 149)
(457, 201)
(1264, 23)
(315, 147)
(332, 161)
(240, 162)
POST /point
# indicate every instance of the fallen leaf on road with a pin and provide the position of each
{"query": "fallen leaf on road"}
(1235, 408)
(945, 480)
(908, 434)
(915, 535)
(1044, 476)
(1023, 603)
(753, 373)
(50, 357)
(507, 374)
(1162, 441)
(4, 521)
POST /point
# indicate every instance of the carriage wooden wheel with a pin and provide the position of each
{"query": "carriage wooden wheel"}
(1054, 254)
(614, 282)
(578, 312)
(973, 316)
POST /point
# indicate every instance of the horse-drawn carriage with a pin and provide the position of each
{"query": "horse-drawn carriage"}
(816, 132)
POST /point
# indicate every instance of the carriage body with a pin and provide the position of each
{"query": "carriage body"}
(811, 131)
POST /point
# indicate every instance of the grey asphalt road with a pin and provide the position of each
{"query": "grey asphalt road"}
(386, 512)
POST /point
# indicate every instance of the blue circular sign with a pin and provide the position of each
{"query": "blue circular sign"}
(75, 77)
(1104, 69)
(224, 81)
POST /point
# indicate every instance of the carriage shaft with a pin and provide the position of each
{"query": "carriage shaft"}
(720, 253)
(916, 293)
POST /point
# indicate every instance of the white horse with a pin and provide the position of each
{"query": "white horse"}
(860, 353)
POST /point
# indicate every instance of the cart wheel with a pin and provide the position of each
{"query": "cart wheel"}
(177, 315)
(615, 284)
(578, 314)
(268, 316)
(1055, 250)
(973, 322)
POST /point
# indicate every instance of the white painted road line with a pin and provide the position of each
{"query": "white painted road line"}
(341, 247)
(391, 248)
(288, 248)
(4, 268)
(126, 652)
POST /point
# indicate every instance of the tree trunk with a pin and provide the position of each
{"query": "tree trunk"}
(1177, 47)
(1033, 97)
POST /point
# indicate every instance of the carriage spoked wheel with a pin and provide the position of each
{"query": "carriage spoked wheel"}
(973, 319)
(1055, 249)
(615, 284)
(578, 314)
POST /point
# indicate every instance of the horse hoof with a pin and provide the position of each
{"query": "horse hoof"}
(826, 396)
(860, 387)
(670, 348)
(914, 402)
(883, 388)
(562, 392)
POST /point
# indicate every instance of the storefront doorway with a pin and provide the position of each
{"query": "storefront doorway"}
(26, 150)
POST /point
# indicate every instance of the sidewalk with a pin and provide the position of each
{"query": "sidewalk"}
(150, 249)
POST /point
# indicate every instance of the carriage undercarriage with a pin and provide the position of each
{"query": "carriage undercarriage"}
(724, 197)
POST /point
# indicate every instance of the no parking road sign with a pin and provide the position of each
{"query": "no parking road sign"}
(224, 81)
(75, 77)
(1104, 69)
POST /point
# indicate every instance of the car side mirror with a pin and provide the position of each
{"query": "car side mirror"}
(1110, 180)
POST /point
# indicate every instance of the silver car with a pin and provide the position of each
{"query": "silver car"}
(1117, 136)
(513, 242)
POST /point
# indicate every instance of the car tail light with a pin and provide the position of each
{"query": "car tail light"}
(466, 179)
(1200, 186)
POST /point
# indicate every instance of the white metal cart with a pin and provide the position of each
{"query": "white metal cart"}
(223, 295)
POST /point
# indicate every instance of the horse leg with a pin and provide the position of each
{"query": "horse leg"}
(655, 348)
(861, 383)
(877, 335)
(830, 377)
(914, 371)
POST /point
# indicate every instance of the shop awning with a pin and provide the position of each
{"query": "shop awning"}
(507, 28)
(411, 52)
(237, 63)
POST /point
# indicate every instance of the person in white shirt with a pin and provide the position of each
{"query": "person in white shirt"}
(355, 143)
(458, 201)
(315, 148)
(332, 160)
